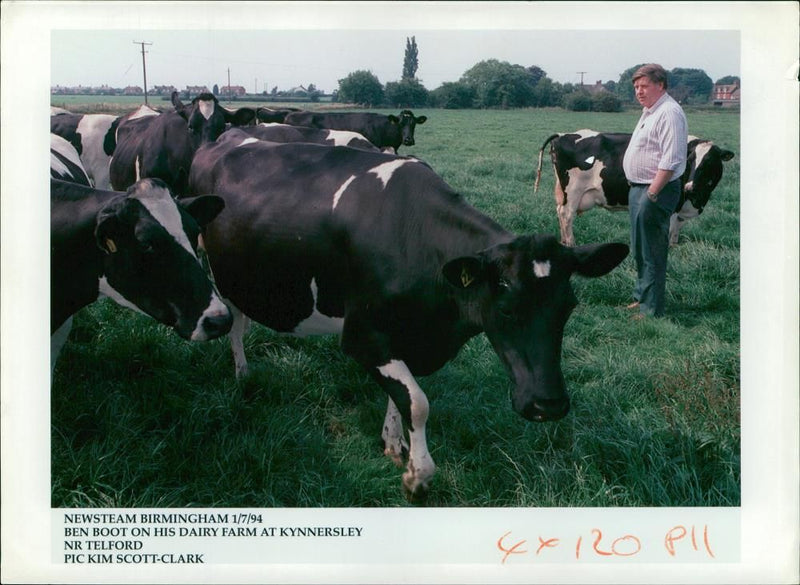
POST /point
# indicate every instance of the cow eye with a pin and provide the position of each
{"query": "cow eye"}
(146, 247)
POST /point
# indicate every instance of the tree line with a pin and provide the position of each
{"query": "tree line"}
(500, 84)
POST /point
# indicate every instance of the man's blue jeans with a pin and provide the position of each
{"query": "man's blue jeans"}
(650, 243)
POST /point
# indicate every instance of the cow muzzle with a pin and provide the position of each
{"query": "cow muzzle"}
(545, 410)
(408, 141)
(215, 321)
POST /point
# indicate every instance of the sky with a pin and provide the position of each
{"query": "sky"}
(265, 58)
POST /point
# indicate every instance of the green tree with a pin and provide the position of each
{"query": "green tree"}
(453, 96)
(215, 90)
(499, 84)
(695, 84)
(578, 101)
(605, 101)
(546, 93)
(728, 80)
(361, 87)
(406, 93)
(411, 60)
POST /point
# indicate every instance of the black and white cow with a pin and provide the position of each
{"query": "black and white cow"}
(138, 248)
(273, 116)
(65, 164)
(382, 131)
(588, 169)
(94, 137)
(379, 249)
(287, 133)
(162, 146)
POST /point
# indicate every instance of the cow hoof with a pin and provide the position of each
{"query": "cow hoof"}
(397, 458)
(416, 491)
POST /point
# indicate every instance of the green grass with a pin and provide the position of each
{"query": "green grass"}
(143, 418)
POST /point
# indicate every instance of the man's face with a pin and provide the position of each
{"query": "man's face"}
(647, 92)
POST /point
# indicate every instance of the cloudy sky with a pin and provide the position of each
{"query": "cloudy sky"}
(263, 59)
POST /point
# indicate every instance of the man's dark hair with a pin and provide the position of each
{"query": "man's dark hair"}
(653, 71)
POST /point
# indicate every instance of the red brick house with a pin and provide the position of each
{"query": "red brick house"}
(726, 94)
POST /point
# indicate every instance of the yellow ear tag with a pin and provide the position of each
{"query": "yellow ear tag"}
(110, 245)
(466, 278)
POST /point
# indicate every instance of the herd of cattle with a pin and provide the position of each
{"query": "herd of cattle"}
(312, 223)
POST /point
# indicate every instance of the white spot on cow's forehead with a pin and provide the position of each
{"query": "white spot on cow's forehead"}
(541, 268)
(385, 171)
(341, 190)
(248, 141)
(700, 152)
(590, 160)
(159, 202)
(206, 108)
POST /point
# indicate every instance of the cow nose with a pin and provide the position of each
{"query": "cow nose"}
(543, 410)
(216, 325)
(408, 142)
(213, 325)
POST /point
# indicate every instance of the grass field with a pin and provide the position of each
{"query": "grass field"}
(143, 418)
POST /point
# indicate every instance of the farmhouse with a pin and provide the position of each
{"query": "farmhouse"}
(725, 94)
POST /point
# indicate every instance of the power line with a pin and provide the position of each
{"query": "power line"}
(144, 67)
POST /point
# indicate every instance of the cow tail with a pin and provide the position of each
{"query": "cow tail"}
(539, 167)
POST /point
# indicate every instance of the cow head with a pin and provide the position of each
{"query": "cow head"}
(150, 259)
(520, 294)
(406, 124)
(703, 171)
(206, 118)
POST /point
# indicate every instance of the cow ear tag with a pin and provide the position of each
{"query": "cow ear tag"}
(466, 278)
(110, 245)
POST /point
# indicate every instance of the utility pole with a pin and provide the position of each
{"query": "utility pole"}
(144, 67)
(229, 85)
(581, 74)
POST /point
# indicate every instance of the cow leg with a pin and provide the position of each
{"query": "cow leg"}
(412, 403)
(57, 341)
(566, 217)
(675, 225)
(241, 323)
(394, 443)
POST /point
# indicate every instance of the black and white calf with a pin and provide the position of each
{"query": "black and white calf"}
(382, 131)
(379, 249)
(65, 163)
(138, 248)
(588, 169)
(162, 146)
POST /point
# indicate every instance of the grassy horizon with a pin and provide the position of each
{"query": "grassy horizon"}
(141, 418)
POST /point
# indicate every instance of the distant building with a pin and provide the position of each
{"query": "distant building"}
(163, 89)
(596, 88)
(133, 90)
(195, 90)
(726, 94)
(237, 90)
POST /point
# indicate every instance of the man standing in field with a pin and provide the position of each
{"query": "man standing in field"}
(653, 164)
